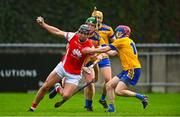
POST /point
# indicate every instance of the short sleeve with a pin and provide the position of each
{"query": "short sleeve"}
(69, 36)
(116, 44)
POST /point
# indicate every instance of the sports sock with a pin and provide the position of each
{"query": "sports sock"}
(111, 107)
(33, 106)
(58, 89)
(88, 103)
(139, 96)
(103, 96)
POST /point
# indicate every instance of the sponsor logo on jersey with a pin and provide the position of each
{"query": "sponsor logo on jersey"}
(77, 53)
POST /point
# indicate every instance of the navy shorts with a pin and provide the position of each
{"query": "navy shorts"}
(89, 64)
(130, 77)
(104, 63)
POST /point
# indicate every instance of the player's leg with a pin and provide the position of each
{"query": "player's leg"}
(105, 69)
(110, 86)
(106, 73)
(67, 79)
(122, 90)
(130, 77)
(68, 90)
(50, 81)
(90, 90)
(89, 94)
(57, 88)
(59, 69)
(70, 85)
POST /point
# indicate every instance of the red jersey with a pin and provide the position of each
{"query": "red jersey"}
(74, 58)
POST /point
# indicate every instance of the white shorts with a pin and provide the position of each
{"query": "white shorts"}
(70, 78)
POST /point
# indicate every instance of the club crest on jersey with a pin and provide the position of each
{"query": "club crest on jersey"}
(77, 53)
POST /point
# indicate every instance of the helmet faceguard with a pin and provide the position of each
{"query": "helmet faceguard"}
(84, 29)
(122, 31)
(98, 15)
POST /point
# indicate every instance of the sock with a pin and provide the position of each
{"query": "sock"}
(111, 108)
(88, 103)
(139, 96)
(58, 89)
(103, 96)
(33, 106)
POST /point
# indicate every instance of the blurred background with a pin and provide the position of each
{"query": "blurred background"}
(28, 53)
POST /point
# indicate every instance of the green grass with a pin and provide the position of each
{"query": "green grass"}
(17, 104)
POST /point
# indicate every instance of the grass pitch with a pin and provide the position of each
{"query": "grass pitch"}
(17, 104)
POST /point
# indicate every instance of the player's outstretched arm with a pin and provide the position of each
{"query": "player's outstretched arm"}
(112, 52)
(51, 29)
(98, 50)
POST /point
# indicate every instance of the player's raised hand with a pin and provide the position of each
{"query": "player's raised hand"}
(40, 20)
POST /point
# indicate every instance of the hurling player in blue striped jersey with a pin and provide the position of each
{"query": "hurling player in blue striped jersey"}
(125, 48)
(107, 33)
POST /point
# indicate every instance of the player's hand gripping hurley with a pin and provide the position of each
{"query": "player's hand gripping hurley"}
(88, 69)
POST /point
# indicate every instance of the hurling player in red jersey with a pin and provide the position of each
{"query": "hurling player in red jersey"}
(71, 64)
